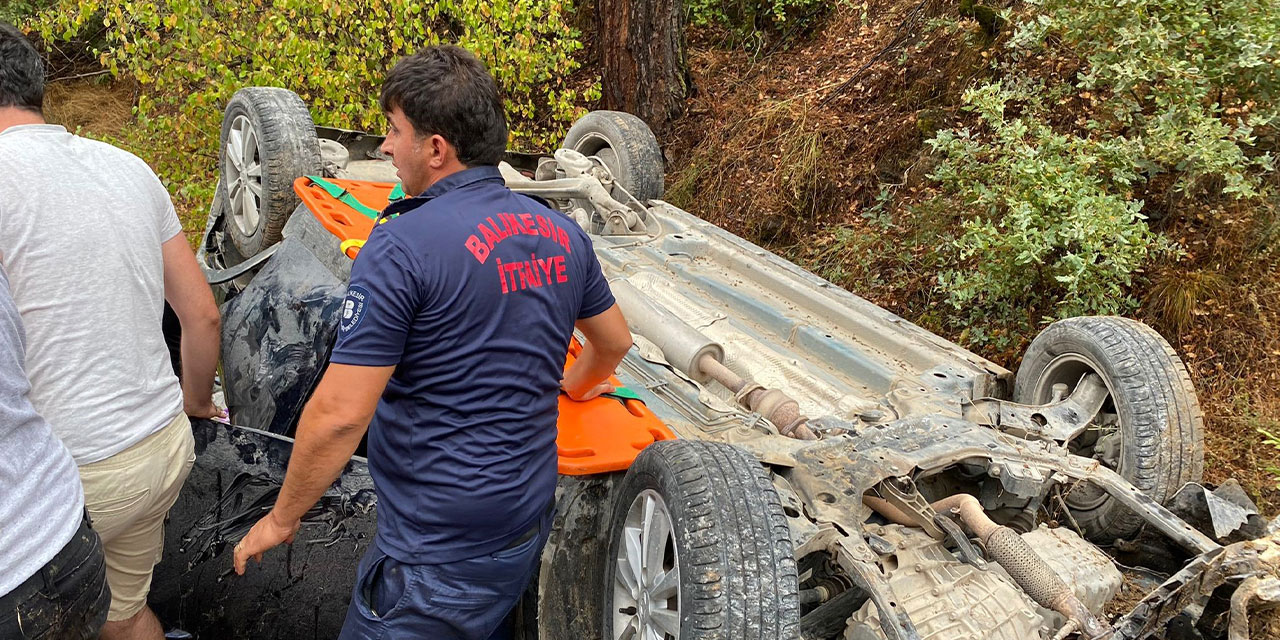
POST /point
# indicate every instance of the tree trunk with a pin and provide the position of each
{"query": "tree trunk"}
(642, 56)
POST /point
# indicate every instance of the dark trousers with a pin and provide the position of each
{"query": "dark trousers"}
(67, 598)
(463, 600)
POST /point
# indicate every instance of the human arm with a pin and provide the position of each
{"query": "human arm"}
(332, 424)
(187, 292)
(608, 340)
(372, 327)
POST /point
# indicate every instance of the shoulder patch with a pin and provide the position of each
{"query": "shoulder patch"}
(353, 308)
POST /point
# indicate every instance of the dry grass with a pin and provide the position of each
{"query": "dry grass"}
(1265, 625)
(1220, 306)
(768, 173)
(1176, 296)
(1236, 447)
(782, 146)
(92, 106)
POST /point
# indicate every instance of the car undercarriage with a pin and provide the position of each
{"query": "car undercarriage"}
(838, 472)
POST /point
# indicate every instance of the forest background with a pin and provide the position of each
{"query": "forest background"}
(978, 168)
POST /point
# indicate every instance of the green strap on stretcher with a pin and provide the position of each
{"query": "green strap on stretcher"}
(345, 197)
(622, 394)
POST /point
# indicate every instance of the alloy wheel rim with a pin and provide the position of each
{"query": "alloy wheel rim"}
(242, 166)
(646, 586)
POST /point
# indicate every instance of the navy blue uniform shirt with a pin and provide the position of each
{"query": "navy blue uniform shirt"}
(472, 293)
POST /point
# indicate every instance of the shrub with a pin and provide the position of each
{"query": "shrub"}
(1194, 85)
(1168, 102)
(749, 22)
(19, 11)
(190, 56)
(1050, 229)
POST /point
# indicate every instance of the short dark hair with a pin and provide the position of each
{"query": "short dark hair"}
(445, 90)
(21, 71)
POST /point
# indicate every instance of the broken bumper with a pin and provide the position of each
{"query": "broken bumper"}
(1252, 565)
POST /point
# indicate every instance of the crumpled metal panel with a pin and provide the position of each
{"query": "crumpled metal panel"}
(946, 599)
(276, 338)
(1224, 510)
(1092, 576)
(1226, 515)
(1256, 561)
(302, 590)
(299, 590)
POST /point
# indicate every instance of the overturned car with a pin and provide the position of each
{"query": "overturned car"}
(820, 468)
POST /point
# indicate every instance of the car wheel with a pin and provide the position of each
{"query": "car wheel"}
(626, 146)
(1150, 429)
(268, 140)
(700, 549)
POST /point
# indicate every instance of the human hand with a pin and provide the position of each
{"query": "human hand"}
(265, 534)
(205, 409)
(593, 392)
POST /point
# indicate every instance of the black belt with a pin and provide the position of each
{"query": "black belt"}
(525, 537)
(43, 578)
(532, 532)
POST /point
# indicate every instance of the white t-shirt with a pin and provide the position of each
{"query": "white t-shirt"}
(41, 500)
(81, 224)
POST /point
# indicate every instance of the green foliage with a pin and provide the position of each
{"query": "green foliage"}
(17, 12)
(190, 56)
(1272, 440)
(1194, 86)
(1054, 207)
(748, 22)
(1051, 229)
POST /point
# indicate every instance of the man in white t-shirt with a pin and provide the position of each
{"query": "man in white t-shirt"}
(93, 250)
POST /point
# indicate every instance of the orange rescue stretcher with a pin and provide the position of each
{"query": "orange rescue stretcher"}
(598, 436)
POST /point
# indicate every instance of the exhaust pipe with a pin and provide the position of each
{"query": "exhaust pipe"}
(702, 359)
(778, 407)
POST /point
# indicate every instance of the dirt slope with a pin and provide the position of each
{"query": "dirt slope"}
(816, 150)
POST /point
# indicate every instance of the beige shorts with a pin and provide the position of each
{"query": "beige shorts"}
(128, 496)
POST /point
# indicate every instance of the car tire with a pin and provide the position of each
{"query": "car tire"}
(268, 140)
(708, 513)
(626, 145)
(1158, 444)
